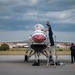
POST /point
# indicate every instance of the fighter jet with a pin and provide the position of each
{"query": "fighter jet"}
(38, 44)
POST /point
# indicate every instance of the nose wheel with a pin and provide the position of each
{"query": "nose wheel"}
(26, 57)
(37, 61)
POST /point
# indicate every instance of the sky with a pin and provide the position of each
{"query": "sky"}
(18, 18)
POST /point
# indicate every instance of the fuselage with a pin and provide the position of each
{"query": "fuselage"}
(38, 38)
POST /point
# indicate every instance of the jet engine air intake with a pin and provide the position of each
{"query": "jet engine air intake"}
(38, 47)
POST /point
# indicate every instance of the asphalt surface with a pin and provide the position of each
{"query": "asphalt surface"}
(15, 65)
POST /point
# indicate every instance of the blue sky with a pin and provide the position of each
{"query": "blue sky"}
(18, 17)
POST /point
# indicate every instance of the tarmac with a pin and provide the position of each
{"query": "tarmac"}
(15, 65)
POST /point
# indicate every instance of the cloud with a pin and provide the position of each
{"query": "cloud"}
(62, 16)
(18, 2)
(6, 36)
(56, 5)
(22, 15)
(14, 36)
(64, 36)
(5, 17)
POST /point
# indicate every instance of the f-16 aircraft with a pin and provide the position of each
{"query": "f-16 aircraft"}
(38, 44)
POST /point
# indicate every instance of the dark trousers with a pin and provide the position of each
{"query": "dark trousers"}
(51, 39)
(26, 58)
(72, 57)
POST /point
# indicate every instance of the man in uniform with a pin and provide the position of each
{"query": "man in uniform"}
(72, 48)
(49, 29)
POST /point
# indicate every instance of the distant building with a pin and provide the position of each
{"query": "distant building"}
(63, 45)
(60, 46)
(25, 44)
(20, 45)
(15, 45)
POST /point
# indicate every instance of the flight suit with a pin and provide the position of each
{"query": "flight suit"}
(51, 35)
(72, 48)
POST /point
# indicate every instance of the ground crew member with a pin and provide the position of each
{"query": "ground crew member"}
(72, 48)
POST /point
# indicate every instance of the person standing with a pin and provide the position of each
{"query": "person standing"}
(50, 33)
(72, 48)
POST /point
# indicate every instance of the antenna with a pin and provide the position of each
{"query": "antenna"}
(38, 17)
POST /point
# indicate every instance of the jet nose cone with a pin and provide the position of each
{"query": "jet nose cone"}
(39, 38)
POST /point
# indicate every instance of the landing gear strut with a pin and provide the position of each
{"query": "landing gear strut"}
(26, 57)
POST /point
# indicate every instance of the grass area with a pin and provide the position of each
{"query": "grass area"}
(22, 51)
(63, 51)
(17, 49)
(14, 51)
